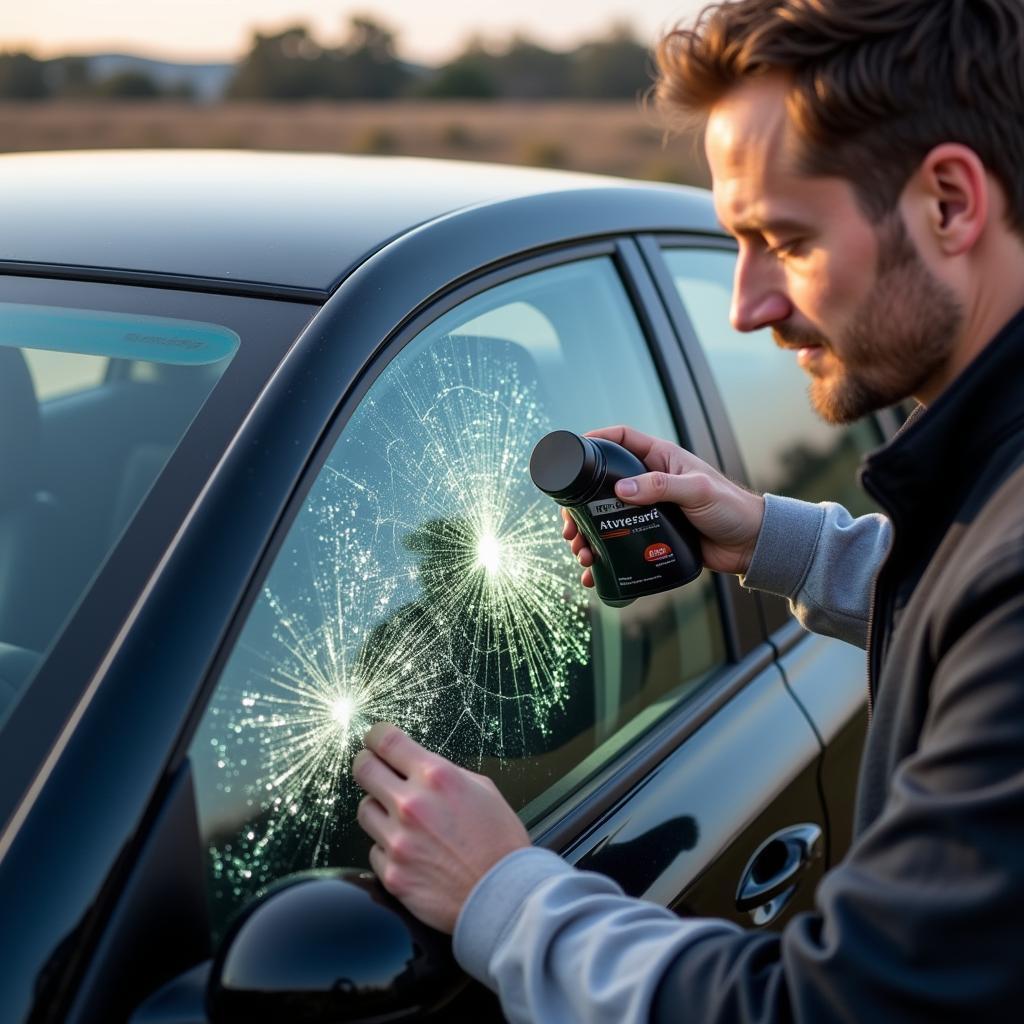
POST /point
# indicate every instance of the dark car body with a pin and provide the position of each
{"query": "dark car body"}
(327, 267)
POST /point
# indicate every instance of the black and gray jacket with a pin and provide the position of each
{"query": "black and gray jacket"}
(924, 919)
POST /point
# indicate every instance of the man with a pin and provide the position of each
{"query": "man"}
(867, 158)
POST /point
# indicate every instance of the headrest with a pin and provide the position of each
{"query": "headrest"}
(19, 430)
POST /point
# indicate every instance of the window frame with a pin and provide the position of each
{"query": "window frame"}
(565, 822)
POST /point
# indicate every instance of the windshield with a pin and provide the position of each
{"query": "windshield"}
(92, 405)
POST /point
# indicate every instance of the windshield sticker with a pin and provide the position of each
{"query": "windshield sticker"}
(425, 583)
(117, 335)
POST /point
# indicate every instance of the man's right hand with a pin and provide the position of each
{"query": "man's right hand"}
(727, 516)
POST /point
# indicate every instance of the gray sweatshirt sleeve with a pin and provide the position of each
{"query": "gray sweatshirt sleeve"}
(560, 945)
(823, 561)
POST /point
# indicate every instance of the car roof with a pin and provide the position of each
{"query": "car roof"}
(256, 221)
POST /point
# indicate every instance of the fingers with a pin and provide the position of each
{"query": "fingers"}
(396, 749)
(582, 553)
(570, 530)
(379, 863)
(578, 544)
(375, 821)
(685, 489)
(377, 778)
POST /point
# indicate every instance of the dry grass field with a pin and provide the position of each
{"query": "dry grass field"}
(608, 138)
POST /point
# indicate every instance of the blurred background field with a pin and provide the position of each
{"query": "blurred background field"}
(609, 138)
(507, 100)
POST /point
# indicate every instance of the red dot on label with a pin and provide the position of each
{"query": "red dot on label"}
(654, 552)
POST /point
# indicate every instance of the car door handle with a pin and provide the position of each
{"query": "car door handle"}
(777, 864)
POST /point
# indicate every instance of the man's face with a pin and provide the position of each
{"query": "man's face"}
(870, 324)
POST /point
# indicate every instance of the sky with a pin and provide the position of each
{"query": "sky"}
(221, 29)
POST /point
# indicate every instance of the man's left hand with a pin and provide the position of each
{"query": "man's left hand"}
(437, 828)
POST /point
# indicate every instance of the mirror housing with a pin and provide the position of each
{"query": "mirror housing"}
(330, 945)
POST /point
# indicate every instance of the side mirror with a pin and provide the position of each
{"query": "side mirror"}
(327, 945)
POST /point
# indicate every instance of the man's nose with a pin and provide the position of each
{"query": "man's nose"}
(758, 299)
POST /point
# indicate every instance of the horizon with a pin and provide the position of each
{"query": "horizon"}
(47, 29)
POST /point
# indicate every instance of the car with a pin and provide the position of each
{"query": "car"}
(267, 421)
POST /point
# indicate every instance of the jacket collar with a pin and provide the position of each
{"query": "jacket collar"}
(927, 469)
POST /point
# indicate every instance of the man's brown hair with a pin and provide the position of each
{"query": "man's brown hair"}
(876, 83)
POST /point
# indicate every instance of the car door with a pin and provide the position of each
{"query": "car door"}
(771, 439)
(419, 577)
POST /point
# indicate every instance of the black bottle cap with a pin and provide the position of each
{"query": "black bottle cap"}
(564, 464)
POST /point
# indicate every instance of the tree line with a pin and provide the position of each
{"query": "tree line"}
(23, 77)
(292, 65)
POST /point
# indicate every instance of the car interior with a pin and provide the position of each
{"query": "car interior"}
(75, 468)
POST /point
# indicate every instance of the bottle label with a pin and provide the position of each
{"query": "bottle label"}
(656, 552)
(606, 506)
(639, 544)
(618, 525)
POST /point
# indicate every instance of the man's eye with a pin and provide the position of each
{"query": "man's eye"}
(783, 250)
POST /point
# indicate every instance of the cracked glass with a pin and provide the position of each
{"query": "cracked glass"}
(424, 581)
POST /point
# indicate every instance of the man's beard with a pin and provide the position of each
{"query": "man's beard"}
(900, 337)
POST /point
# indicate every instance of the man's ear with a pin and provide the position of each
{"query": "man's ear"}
(955, 190)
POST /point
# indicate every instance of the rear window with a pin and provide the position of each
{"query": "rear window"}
(92, 405)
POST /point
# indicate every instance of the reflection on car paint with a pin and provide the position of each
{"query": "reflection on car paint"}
(636, 863)
(424, 582)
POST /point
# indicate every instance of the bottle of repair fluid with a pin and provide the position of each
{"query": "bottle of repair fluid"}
(638, 550)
